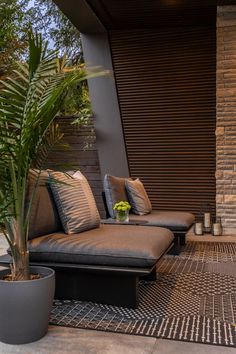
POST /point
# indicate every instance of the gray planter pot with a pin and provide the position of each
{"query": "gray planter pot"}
(25, 306)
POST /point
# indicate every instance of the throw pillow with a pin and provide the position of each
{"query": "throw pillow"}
(75, 202)
(114, 188)
(138, 197)
(44, 218)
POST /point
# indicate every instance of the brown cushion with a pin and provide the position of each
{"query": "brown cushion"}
(173, 220)
(114, 188)
(138, 197)
(75, 202)
(44, 218)
(116, 245)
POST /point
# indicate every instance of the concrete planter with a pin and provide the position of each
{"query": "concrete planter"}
(25, 306)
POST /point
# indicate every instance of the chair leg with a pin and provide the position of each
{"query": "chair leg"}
(175, 250)
(179, 240)
(182, 239)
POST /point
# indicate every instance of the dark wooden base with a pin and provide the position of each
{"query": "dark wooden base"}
(103, 284)
(113, 289)
(151, 276)
(182, 238)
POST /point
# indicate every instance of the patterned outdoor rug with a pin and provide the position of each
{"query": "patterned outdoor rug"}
(193, 299)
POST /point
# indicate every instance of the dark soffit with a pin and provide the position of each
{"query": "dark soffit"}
(130, 14)
(81, 15)
(94, 16)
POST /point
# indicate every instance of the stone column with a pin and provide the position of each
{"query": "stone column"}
(226, 118)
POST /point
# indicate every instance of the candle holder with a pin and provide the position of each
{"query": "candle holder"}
(217, 227)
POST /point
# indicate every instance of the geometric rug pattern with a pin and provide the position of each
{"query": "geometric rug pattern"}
(193, 299)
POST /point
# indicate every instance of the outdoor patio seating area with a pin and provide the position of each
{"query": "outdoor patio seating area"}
(118, 177)
(126, 277)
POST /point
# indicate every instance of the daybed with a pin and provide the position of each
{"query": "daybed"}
(93, 262)
(125, 189)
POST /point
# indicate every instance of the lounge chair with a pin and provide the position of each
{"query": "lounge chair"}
(122, 189)
(93, 262)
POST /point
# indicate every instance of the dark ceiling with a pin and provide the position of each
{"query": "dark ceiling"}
(95, 16)
(128, 14)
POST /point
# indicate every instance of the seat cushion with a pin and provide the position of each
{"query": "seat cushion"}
(75, 202)
(44, 218)
(115, 245)
(138, 197)
(173, 220)
(114, 188)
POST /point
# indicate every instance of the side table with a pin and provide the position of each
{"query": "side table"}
(130, 222)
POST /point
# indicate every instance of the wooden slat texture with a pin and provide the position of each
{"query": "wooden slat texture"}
(82, 154)
(166, 89)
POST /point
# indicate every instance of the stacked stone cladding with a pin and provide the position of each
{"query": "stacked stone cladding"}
(226, 118)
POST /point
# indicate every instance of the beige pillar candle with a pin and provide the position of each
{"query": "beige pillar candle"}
(207, 220)
(217, 230)
(198, 228)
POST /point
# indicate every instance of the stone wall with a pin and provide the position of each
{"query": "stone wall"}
(226, 118)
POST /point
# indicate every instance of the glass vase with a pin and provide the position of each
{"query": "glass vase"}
(122, 215)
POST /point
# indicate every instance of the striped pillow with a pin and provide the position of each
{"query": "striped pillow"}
(75, 202)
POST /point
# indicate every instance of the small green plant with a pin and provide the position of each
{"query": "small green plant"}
(122, 206)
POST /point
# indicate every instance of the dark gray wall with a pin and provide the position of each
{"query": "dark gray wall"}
(108, 126)
(81, 15)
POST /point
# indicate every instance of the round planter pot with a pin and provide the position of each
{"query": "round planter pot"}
(25, 306)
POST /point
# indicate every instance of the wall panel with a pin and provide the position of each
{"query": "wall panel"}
(166, 87)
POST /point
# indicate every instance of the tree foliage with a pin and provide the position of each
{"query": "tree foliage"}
(56, 27)
(62, 34)
(16, 17)
(12, 33)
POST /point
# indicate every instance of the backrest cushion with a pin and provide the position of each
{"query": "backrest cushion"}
(138, 197)
(114, 188)
(75, 202)
(44, 218)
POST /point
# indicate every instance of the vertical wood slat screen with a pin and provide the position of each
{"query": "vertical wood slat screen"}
(166, 88)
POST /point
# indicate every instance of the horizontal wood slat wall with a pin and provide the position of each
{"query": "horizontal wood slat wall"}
(81, 154)
(166, 87)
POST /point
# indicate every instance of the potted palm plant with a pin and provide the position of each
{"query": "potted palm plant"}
(29, 101)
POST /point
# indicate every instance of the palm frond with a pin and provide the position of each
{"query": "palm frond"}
(28, 104)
